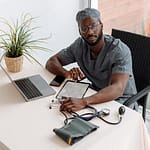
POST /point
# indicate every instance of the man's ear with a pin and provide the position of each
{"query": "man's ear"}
(79, 31)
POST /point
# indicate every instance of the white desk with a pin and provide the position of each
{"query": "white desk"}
(29, 125)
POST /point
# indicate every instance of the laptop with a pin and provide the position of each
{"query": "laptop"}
(32, 87)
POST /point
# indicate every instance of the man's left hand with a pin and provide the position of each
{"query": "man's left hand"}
(72, 104)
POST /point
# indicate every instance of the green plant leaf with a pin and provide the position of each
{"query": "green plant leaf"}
(18, 39)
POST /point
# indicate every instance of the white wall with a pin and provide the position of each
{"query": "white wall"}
(94, 4)
(55, 17)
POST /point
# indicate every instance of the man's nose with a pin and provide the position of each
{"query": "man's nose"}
(90, 31)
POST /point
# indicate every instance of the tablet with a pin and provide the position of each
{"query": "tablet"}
(73, 89)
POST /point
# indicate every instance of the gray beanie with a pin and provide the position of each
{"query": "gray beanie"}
(86, 13)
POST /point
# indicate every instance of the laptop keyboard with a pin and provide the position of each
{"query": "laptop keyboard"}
(28, 88)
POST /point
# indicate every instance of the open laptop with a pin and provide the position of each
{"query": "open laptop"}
(32, 87)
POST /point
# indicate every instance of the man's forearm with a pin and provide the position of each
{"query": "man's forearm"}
(111, 92)
(107, 94)
(55, 67)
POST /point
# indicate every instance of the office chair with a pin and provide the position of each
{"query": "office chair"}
(140, 50)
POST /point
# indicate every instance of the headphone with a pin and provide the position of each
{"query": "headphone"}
(99, 114)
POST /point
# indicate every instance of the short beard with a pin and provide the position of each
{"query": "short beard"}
(93, 44)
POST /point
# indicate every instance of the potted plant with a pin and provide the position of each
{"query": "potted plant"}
(17, 41)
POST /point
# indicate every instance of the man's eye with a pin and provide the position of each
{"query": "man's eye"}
(83, 28)
(94, 26)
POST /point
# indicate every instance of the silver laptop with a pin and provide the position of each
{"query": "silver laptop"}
(32, 87)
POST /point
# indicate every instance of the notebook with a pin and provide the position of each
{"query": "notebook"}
(32, 87)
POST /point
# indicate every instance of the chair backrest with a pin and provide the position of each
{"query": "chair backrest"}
(140, 50)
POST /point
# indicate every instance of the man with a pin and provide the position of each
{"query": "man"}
(105, 61)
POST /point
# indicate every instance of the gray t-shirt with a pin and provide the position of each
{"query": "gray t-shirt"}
(115, 57)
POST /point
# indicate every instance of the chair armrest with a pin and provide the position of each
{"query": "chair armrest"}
(137, 96)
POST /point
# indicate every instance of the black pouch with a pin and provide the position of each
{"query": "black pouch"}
(75, 130)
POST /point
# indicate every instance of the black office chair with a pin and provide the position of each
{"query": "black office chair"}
(140, 49)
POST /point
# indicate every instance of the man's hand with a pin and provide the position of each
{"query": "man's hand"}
(76, 74)
(72, 104)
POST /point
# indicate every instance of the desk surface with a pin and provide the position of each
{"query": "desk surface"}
(29, 125)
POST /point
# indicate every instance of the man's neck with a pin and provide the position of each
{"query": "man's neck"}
(97, 48)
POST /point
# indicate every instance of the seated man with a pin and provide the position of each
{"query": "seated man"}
(104, 60)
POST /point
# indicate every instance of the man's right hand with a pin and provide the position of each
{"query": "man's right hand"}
(75, 74)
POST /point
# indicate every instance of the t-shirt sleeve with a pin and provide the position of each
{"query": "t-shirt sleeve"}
(68, 55)
(123, 61)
